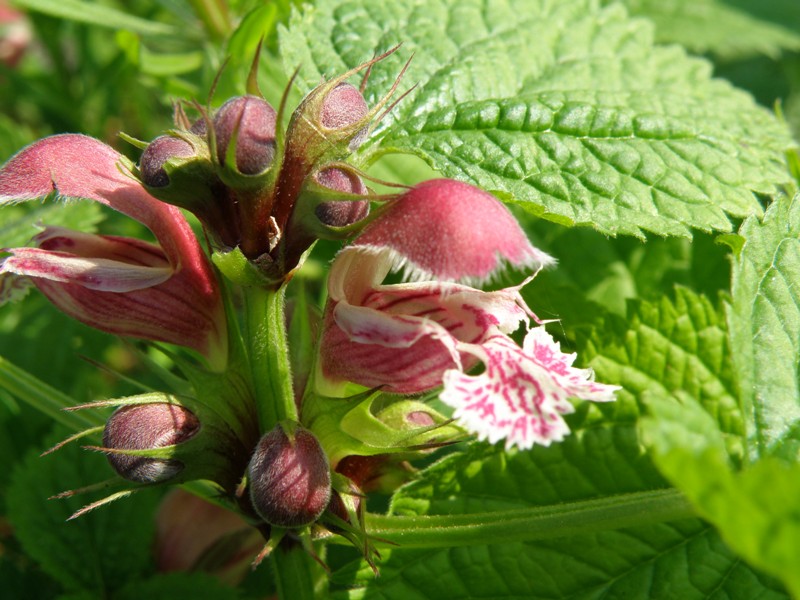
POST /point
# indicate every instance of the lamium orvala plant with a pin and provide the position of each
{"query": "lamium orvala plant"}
(264, 197)
(361, 369)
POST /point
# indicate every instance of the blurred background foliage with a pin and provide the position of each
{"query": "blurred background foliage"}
(104, 66)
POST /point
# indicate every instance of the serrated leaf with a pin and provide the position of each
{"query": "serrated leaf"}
(764, 319)
(754, 509)
(563, 107)
(727, 30)
(96, 553)
(673, 346)
(685, 559)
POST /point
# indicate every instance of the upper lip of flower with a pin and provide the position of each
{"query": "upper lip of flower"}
(74, 269)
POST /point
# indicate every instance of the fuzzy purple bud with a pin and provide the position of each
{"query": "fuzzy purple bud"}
(290, 480)
(344, 106)
(143, 427)
(157, 153)
(341, 213)
(252, 121)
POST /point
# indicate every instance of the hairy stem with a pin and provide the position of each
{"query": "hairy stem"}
(530, 524)
(265, 331)
(294, 573)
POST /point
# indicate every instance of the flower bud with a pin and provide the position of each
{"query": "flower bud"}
(252, 121)
(341, 213)
(290, 480)
(158, 152)
(143, 427)
(343, 106)
(199, 127)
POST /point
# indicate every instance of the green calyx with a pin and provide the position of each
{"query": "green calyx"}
(372, 423)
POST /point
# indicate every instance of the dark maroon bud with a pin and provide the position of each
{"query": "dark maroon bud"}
(290, 480)
(253, 120)
(158, 152)
(341, 213)
(143, 427)
(344, 106)
(199, 127)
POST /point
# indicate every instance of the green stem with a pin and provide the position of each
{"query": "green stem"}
(268, 349)
(39, 395)
(294, 573)
(530, 524)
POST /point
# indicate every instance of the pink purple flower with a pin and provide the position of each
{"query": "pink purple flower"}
(415, 336)
(164, 292)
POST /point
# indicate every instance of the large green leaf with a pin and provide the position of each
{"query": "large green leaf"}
(564, 107)
(755, 510)
(764, 320)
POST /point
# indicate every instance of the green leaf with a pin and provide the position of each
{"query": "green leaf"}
(764, 319)
(752, 509)
(98, 552)
(93, 13)
(50, 401)
(684, 559)
(673, 346)
(610, 271)
(727, 30)
(570, 110)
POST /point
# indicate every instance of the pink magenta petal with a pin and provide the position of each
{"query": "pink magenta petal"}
(185, 309)
(400, 354)
(78, 166)
(517, 397)
(403, 337)
(112, 264)
(578, 383)
(167, 312)
(92, 273)
(121, 249)
(449, 230)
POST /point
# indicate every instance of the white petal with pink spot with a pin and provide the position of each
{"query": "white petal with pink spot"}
(522, 393)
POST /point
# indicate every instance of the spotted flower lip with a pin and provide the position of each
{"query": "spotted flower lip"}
(522, 393)
(163, 292)
(413, 337)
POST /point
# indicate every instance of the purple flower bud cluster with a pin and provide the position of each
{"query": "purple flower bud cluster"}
(259, 191)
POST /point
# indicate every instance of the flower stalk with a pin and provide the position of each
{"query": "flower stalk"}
(268, 349)
(531, 524)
